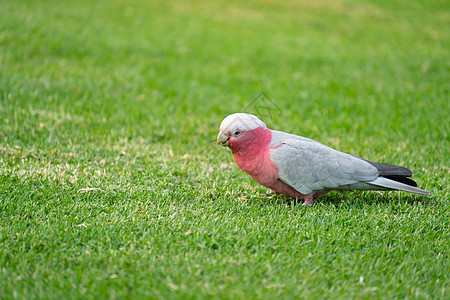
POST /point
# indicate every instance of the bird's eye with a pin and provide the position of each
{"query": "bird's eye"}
(237, 132)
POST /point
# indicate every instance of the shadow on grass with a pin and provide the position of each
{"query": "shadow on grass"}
(354, 198)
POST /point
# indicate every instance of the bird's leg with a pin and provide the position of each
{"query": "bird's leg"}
(309, 197)
(322, 192)
(342, 192)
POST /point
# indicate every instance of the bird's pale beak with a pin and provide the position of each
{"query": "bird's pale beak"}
(222, 139)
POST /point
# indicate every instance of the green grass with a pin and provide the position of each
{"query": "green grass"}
(125, 98)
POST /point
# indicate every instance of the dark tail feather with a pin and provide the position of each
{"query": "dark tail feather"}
(404, 180)
(393, 172)
(387, 170)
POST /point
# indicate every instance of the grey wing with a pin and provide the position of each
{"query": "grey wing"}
(309, 166)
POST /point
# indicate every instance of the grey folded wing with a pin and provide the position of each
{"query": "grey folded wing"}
(308, 166)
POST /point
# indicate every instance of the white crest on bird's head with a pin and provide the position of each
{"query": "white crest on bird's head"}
(240, 122)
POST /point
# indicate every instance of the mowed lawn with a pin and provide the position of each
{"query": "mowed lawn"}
(112, 184)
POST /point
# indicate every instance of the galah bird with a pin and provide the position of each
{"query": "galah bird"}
(299, 167)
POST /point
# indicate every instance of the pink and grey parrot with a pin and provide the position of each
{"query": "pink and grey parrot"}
(299, 167)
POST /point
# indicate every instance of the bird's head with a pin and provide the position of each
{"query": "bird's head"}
(239, 130)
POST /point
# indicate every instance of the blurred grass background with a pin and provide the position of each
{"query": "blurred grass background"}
(126, 97)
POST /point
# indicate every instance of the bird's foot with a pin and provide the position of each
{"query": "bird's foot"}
(308, 200)
(306, 205)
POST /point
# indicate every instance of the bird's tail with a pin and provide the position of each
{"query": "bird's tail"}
(395, 178)
(396, 185)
